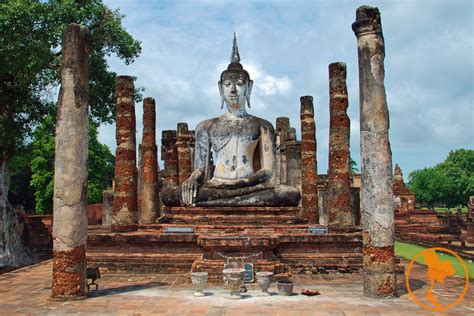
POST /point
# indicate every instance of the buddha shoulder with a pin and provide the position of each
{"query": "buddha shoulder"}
(266, 125)
(205, 125)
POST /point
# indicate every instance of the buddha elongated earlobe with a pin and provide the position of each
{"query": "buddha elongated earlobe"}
(221, 93)
(249, 91)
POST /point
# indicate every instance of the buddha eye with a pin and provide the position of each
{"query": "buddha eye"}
(227, 83)
(240, 82)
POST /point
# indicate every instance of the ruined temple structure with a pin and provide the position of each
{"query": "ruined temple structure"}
(468, 232)
(238, 187)
(404, 198)
(428, 227)
(266, 204)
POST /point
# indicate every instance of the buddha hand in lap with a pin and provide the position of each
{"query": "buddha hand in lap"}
(243, 150)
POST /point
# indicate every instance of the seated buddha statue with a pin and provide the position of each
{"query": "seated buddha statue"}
(242, 149)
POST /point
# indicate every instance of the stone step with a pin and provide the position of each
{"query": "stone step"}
(147, 237)
(233, 211)
(209, 229)
(232, 220)
(143, 263)
(183, 256)
(322, 259)
(140, 267)
(274, 247)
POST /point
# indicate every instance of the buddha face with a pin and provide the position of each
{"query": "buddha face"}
(235, 89)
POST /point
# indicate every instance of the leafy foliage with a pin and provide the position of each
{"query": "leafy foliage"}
(30, 55)
(449, 183)
(100, 166)
(42, 166)
(353, 166)
(21, 192)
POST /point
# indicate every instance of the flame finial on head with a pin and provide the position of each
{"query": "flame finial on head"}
(234, 68)
(235, 57)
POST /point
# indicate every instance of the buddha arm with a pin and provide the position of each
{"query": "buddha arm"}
(267, 150)
(260, 176)
(189, 187)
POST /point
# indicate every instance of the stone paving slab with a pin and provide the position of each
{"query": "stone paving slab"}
(27, 292)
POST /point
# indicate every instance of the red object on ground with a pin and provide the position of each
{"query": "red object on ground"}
(310, 292)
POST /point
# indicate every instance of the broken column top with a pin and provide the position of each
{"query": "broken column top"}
(367, 21)
(149, 112)
(282, 123)
(182, 129)
(337, 68)
(148, 101)
(307, 104)
(337, 80)
(124, 79)
(170, 133)
(292, 133)
(124, 86)
(74, 34)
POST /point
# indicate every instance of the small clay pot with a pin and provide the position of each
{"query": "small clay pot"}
(285, 288)
(199, 280)
(264, 279)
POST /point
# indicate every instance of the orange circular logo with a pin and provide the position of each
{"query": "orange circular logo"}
(437, 272)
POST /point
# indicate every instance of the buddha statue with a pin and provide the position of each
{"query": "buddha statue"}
(234, 154)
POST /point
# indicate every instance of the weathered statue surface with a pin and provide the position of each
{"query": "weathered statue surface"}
(242, 150)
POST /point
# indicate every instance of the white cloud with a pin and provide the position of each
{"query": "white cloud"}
(286, 47)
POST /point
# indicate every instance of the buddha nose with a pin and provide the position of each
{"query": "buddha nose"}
(233, 88)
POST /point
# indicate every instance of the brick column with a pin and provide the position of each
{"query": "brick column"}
(184, 152)
(70, 168)
(339, 178)
(309, 170)
(283, 127)
(125, 217)
(169, 155)
(377, 201)
(149, 171)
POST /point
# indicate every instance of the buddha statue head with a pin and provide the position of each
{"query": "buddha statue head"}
(235, 85)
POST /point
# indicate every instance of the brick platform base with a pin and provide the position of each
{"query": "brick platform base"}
(274, 239)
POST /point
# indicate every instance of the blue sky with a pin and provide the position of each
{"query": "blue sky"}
(287, 46)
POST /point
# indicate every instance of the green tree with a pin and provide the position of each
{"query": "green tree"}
(21, 193)
(100, 166)
(42, 165)
(30, 56)
(449, 183)
(353, 166)
(459, 170)
(428, 185)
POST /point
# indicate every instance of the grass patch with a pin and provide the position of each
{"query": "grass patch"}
(451, 210)
(408, 251)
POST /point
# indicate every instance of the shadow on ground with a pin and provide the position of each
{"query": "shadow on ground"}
(415, 284)
(126, 289)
